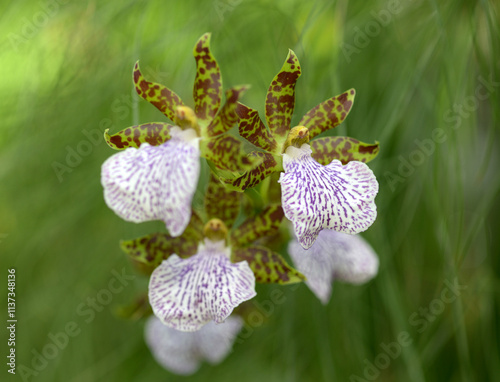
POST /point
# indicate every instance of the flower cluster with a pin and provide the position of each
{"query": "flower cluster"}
(208, 261)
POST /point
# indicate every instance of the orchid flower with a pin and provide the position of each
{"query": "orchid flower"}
(183, 352)
(334, 256)
(186, 294)
(325, 184)
(156, 175)
(203, 274)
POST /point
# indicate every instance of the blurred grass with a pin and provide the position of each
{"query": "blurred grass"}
(440, 223)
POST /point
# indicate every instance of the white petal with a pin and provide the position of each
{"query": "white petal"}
(316, 197)
(355, 261)
(188, 293)
(154, 182)
(316, 263)
(334, 256)
(172, 349)
(215, 341)
(182, 352)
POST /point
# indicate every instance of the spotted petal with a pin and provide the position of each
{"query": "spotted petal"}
(154, 133)
(158, 95)
(316, 197)
(265, 223)
(220, 202)
(154, 183)
(334, 256)
(226, 152)
(253, 130)
(188, 293)
(207, 92)
(147, 252)
(270, 164)
(227, 117)
(280, 99)
(182, 353)
(267, 266)
(328, 114)
(344, 149)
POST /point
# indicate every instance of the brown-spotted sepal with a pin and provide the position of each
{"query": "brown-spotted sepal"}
(267, 266)
(147, 252)
(207, 91)
(221, 202)
(280, 99)
(344, 149)
(267, 164)
(328, 114)
(226, 153)
(253, 130)
(158, 95)
(226, 116)
(154, 133)
(265, 223)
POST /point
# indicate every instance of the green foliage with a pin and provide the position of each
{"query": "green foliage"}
(69, 80)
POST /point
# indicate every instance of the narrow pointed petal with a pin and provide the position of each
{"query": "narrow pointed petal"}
(154, 133)
(334, 256)
(264, 224)
(220, 202)
(147, 252)
(226, 152)
(187, 294)
(182, 352)
(316, 197)
(227, 117)
(344, 149)
(270, 164)
(267, 266)
(158, 95)
(154, 183)
(280, 99)
(328, 114)
(253, 130)
(207, 92)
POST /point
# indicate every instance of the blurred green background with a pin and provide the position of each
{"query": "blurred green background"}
(417, 67)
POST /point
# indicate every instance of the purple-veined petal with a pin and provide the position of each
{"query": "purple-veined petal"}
(188, 293)
(334, 256)
(315, 197)
(183, 352)
(154, 182)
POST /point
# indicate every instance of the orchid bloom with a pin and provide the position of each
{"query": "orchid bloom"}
(204, 273)
(334, 256)
(325, 183)
(156, 175)
(186, 294)
(183, 352)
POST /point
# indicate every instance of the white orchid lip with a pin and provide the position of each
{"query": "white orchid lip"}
(183, 352)
(334, 256)
(155, 182)
(316, 197)
(186, 294)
